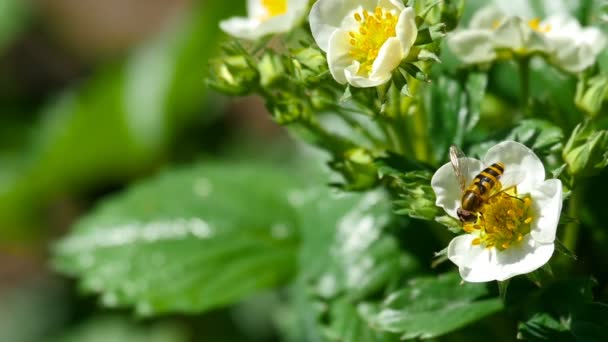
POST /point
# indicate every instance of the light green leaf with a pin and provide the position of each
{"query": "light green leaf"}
(433, 306)
(345, 249)
(187, 241)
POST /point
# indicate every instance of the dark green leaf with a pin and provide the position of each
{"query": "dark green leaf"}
(584, 322)
(543, 327)
(189, 240)
(542, 136)
(450, 121)
(433, 306)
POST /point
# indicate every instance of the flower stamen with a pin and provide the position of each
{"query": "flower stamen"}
(535, 25)
(374, 30)
(273, 8)
(503, 220)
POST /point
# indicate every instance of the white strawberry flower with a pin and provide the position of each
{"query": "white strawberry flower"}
(365, 40)
(575, 48)
(265, 17)
(515, 228)
(559, 37)
(491, 31)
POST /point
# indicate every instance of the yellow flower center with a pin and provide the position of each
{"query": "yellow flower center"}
(274, 7)
(536, 26)
(374, 29)
(503, 220)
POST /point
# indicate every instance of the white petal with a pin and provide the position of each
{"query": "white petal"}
(475, 263)
(255, 9)
(244, 28)
(573, 58)
(472, 46)
(446, 186)
(338, 57)
(519, 8)
(362, 81)
(406, 29)
(519, 159)
(389, 57)
(327, 15)
(594, 38)
(511, 34)
(562, 25)
(389, 5)
(525, 257)
(547, 206)
(487, 18)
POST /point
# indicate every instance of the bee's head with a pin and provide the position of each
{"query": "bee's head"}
(465, 215)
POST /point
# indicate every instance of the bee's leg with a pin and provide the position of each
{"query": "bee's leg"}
(504, 190)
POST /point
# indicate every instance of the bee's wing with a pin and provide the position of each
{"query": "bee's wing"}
(511, 178)
(460, 165)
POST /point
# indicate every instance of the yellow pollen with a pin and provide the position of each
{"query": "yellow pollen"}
(502, 221)
(274, 8)
(536, 26)
(374, 29)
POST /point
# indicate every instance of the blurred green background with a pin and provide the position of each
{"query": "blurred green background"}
(95, 95)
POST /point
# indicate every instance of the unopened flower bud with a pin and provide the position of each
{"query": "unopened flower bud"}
(233, 75)
(586, 152)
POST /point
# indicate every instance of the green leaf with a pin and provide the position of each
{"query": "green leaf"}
(348, 325)
(120, 329)
(433, 306)
(543, 327)
(345, 249)
(189, 240)
(299, 319)
(450, 121)
(542, 136)
(588, 322)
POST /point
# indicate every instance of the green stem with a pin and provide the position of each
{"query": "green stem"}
(325, 139)
(415, 124)
(356, 126)
(524, 84)
(392, 135)
(570, 236)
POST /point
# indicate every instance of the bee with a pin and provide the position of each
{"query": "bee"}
(484, 185)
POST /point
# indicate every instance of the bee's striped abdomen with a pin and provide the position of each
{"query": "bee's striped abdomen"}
(487, 179)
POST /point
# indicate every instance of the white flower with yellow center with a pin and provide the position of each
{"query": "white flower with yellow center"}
(559, 37)
(265, 17)
(491, 31)
(575, 48)
(514, 229)
(365, 40)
